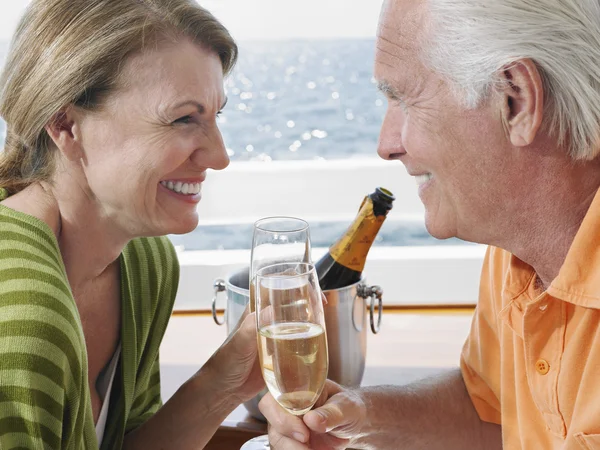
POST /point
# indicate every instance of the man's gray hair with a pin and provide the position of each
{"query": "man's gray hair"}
(474, 40)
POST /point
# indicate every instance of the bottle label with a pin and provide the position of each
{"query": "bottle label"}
(352, 248)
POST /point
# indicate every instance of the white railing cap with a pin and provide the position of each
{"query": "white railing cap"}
(314, 190)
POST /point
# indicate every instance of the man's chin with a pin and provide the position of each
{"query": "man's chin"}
(438, 230)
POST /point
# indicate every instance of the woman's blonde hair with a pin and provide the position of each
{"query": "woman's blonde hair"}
(72, 52)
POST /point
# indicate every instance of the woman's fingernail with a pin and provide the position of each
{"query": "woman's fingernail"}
(299, 437)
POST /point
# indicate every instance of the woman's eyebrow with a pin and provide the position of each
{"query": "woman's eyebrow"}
(194, 103)
(199, 106)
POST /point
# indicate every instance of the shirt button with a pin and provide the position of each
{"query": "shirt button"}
(542, 366)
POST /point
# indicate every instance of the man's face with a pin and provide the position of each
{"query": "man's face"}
(456, 155)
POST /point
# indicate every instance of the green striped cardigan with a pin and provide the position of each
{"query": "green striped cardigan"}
(44, 394)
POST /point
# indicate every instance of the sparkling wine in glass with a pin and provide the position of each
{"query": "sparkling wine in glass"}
(275, 240)
(291, 334)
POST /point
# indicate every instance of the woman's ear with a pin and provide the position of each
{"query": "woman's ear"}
(523, 101)
(65, 132)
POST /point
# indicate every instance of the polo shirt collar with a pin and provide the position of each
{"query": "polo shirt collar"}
(578, 279)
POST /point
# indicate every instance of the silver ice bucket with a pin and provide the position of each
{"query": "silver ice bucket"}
(346, 316)
(346, 322)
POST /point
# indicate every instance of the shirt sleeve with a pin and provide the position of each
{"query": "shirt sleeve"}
(480, 359)
(39, 369)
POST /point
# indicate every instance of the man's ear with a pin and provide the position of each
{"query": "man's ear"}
(523, 101)
(65, 132)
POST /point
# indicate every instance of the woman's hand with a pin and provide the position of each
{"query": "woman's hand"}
(235, 366)
(192, 415)
(335, 424)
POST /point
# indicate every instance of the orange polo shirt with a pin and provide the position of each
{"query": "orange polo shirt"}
(532, 359)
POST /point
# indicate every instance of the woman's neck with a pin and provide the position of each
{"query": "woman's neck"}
(88, 243)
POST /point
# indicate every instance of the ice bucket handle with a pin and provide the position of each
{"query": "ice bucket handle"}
(373, 293)
(218, 286)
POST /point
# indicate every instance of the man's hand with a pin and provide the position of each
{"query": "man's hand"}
(335, 424)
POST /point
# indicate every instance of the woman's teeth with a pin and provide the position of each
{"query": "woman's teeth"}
(182, 188)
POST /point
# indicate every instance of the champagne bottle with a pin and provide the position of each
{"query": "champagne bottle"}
(343, 264)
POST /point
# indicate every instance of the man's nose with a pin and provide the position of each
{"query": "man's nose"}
(390, 145)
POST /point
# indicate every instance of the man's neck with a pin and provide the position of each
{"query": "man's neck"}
(544, 234)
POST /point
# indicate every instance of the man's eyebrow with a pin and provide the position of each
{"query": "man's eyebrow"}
(388, 90)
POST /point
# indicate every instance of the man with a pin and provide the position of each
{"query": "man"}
(494, 107)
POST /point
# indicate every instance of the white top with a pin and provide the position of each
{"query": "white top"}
(104, 389)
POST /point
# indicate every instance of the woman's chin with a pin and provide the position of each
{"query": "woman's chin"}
(182, 226)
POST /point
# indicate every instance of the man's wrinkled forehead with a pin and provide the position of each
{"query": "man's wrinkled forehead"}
(401, 28)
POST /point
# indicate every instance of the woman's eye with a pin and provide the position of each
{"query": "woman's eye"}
(184, 120)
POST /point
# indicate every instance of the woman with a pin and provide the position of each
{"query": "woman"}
(111, 109)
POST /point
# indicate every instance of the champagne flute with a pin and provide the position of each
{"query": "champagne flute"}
(275, 239)
(291, 334)
(292, 342)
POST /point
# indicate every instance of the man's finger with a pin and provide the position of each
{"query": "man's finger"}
(280, 442)
(282, 422)
(342, 415)
(325, 418)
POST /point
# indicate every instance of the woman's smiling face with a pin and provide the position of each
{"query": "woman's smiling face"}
(146, 152)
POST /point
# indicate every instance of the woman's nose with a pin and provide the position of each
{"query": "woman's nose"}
(212, 155)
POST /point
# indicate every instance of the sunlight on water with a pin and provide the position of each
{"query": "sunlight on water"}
(300, 99)
(308, 100)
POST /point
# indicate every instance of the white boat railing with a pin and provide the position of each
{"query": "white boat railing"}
(328, 191)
